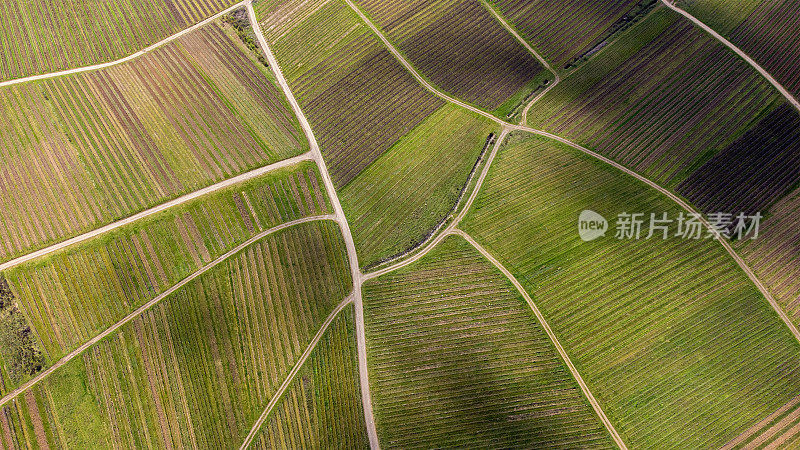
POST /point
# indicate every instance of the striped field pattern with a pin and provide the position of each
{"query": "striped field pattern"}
(73, 295)
(322, 408)
(457, 359)
(673, 340)
(197, 369)
(54, 35)
(91, 148)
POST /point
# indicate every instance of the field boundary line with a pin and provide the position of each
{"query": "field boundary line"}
(141, 309)
(524, 116)
(157, 209)
(437, 238)
(125, 59)
(736, 50)
(293, 373)
(592, 400)
(742, 264)
(352, 255)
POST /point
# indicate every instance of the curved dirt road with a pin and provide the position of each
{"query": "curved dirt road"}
(157, 209)
(361, 340)
(736, 50)
(127, 58)
(742, 264)
(138, 311)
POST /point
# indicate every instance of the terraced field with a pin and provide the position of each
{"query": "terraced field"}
(394, 203)
(322, 409)
(95, 147)
(661, 100)
(53, 35)
(459, 45)
(73, 295)
(673, 340)
(563, 31)
(358, 98)
(458, 359)
(199, 367)
(764, 29)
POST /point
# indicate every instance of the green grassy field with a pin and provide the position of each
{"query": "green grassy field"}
(199, 367)
(457, 359)
(402, 196)
(54, 35)
(675, 342)
(91, 148)
(322, 408)
(74, 294)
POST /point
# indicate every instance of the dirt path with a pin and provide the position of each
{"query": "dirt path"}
(513, 32)
(141, 52)
(156, 209)
(549, 331)
(736, 50)
(289, 378)
(358, 303)
(622, 168)
(136, 313)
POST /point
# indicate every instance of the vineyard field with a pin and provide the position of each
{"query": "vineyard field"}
(661, 100)
(399, 199)
(322, 408)
(754, 172)
(197, 369)
(766, 30)
(358, 98)
(55, 35)
(781, 429)
(563, 31)
(74, 294)
(457, 359)
(95, 147)
(775, 255)
(476, 60)
(672, 338)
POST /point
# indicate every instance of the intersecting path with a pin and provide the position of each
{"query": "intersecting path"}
(361, 341)
(140, 310)
(739, 261)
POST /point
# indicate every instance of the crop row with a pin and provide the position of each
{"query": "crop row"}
(99, 146)
(561, 31)
(686, 97)
(675, 342)
(358, 99)
(322, 408)
(457, 359)
(197, 369)
(460, 46)
(753, 172)
(403, 195)
(781, 429)
(73, 295)
(769, 35)
(773, 255)
(55, 35)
